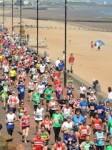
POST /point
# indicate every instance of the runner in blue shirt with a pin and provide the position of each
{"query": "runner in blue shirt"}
(83, 105)
(21, 91)
(77, 119)
(101, 111)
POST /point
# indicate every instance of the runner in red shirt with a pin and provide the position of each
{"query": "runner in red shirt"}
(84, 130)
(92, 44)
(59, 145)
(56, 75)
(25, 125)
(13, 101)
(71, 61)
(96, 122)
(38, 142)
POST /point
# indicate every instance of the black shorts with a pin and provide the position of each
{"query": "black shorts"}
(37, 121)
(69, 94)
(27, 70)
(14, 109)
(35, 107)
(30, 91)
(81, 140)
(42, 95)
(13, 78)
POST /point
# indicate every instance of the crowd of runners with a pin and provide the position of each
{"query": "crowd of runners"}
(78, 122)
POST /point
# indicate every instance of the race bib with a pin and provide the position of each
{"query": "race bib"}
(96, 126)
(99, 111)
(26, 121)
(12, 104)
(84, 132)
(59, 148)
(92, 107)
(56, 120)
(83, 107)
(22, 90)
(10, 123)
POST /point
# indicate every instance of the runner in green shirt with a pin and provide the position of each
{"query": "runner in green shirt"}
(110, 127)
(36, 99)
(57, 123)
(48, 95)
(109, 147)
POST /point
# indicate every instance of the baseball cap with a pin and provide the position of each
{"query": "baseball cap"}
(84, 121)
(11, 110)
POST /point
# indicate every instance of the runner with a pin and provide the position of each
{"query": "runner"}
(84, 130)
(10, 118)
(52, 106)
(41, 89)
(21, 91)
(59, 145)
(67, 111)
(66, 127)
(25, 126)
(96, 122)
(109, 147)
(71, 141)
(100, 138)
(48, 95)
(12, 75)
(38, 116)
(36, 99)
(57, 119)
(47, 123)
(44, 135)
(13, 101)
(37, 143)
(87, 144)
(30, 90)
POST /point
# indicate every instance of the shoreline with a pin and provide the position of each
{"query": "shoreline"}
(75, 17)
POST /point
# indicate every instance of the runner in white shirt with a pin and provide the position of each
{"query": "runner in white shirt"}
(5, 68)
(67, 111)
(42, 68)
(32, 72)
(41, 89)
(30, 89)
(82, 90)
(10, 118)
(38, 116)
(47, 59)
(57, 63)
(67, 125)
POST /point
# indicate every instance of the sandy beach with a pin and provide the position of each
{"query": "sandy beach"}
(89, 63)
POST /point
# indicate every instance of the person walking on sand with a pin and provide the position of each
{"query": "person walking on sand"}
(92, 44)
(71, 61)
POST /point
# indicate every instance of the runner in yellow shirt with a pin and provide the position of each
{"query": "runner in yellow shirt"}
(1, 59)
(12, 75)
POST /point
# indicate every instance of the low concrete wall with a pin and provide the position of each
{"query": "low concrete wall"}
(78, 81)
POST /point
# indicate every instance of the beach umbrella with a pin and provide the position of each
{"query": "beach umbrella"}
(100, 43)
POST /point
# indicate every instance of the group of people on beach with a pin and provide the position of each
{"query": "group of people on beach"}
(78, 120)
